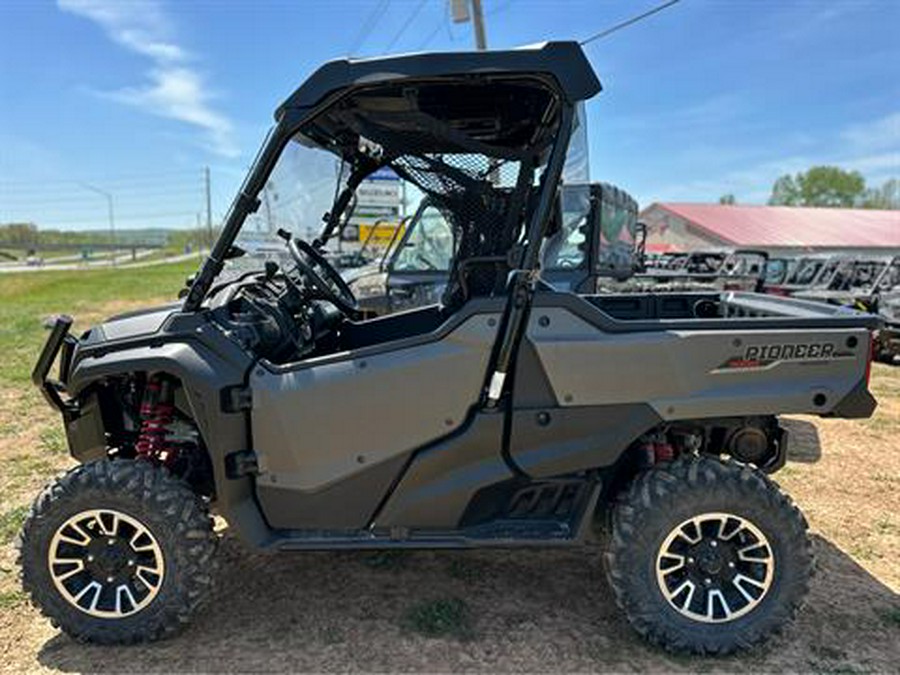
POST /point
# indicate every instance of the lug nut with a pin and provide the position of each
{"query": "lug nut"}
(90, 558)
(731, 565)
(110, 542)
(109, 580)
(131, 563)
(690, 561)
(707, 581)
(713, 543)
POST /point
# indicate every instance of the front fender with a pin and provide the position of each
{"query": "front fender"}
(204, 373)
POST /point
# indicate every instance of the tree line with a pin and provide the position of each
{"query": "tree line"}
(28, 234)
(830, 186)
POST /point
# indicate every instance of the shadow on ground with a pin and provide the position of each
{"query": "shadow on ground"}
(526, 611)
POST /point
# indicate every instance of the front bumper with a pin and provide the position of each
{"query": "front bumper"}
(59, 340)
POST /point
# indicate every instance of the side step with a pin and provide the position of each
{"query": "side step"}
(506, 533)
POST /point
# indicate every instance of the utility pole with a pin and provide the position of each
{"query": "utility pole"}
(112, 217)
(460, 13)
(478, 25)
(209, 231)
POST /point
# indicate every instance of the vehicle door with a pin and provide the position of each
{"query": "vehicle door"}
(419, 267)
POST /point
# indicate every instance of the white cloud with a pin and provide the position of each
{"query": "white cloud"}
(175, 89)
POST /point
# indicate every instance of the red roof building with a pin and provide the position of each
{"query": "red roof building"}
(777, 229)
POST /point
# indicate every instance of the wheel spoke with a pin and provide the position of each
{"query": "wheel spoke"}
(111, 531)
(120, 591)
(726, 537)
(93, 586)
(740, 579)
(684, 535)
(137, 548)
(83, 541)
(79, 567)
(140, 574)
(672, 556)
(691, 589)
(743, 555)
(716, 594)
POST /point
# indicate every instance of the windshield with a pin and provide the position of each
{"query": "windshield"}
(430, 245)
(301, 191)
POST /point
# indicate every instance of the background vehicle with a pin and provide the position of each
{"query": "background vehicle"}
(596, 236)
(869, 284)
(517, 413)
(740, 270)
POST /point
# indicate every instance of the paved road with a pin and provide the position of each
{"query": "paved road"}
(123, 260)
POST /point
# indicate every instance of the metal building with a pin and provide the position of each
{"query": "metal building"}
(777, 229)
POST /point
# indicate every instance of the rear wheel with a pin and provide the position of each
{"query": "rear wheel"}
(707, 556)
(118, 552)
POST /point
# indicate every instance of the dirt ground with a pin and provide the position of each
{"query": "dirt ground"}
(488, 610)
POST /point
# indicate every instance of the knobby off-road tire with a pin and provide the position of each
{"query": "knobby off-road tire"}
(656, 515)
(133, 520)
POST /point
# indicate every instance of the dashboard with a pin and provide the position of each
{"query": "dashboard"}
(274, 315)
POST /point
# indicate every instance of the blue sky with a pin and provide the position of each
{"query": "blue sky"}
(705, 98)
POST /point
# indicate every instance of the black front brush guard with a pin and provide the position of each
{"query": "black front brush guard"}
(59, 339)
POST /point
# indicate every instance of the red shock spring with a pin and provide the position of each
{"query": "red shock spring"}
(156, 415)
(663, 452)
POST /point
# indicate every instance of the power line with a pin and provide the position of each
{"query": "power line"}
(369, 24)
(432, 34)
(494, 11)
(444, 18)
(628, 22)
(129, 218)
(118, 179)
(57, 197)
(406, 25)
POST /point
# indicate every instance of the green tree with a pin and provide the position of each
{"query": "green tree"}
(885, 197)
(728, 199)
(820, 186)
(785, 192)
(18, 233)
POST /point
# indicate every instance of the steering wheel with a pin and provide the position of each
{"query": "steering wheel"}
(324, 279)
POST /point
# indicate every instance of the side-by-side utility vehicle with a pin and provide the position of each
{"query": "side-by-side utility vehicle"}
(508, 414)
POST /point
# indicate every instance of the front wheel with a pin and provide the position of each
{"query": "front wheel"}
(117, 552)
(707, 556)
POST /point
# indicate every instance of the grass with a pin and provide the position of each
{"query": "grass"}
(11, 522)
(11, 599)
(891, 616)
(27, 299)
(53, 439)
(25, 421)
(445, 617)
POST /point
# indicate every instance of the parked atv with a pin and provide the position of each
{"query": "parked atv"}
(512, 414)
(736, 270)
(869, 284)
(595, 235)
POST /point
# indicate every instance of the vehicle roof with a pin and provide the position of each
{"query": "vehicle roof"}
(565, 61)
